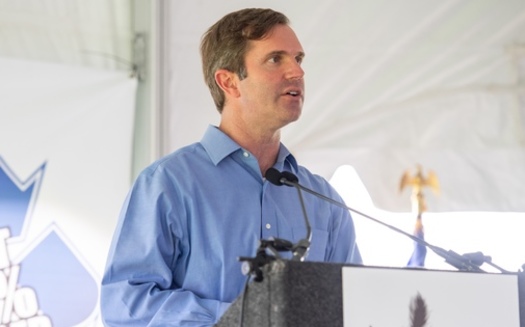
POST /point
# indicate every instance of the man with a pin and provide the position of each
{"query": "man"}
(191, 214)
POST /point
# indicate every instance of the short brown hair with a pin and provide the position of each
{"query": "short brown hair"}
(224, 44)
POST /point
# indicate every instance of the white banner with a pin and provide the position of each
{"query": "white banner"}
(65, 166)
(404, 297)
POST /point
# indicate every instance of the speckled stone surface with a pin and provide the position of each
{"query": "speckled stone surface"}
(292, 293)
(302, 294)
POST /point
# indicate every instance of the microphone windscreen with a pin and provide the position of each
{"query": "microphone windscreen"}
(291, 177)
(273, 176)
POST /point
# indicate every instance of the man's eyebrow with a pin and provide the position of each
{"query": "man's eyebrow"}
(276, 53)
(300, 54)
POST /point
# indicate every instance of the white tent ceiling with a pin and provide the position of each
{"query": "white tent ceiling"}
(390, 84)
(95, 34)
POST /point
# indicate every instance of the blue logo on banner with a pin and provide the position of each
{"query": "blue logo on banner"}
(46, 285)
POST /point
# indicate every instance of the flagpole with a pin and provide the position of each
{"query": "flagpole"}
(418, 182)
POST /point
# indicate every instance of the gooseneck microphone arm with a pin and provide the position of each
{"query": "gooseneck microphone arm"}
(299, 250)
(454, 259)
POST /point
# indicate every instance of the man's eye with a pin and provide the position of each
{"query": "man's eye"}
(275, 59)
(299, 59)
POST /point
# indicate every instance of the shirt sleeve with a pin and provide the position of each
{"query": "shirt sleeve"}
(343, 244)
(142, 282)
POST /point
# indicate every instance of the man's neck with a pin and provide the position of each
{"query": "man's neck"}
(264, 145)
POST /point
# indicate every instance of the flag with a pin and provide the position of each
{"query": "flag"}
(420, 251)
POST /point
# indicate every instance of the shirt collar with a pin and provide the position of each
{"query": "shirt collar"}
(285, 160)
(219, 146)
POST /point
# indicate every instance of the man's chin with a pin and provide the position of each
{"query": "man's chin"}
(292, 118)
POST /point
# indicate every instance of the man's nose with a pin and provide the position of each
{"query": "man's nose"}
(294, 70)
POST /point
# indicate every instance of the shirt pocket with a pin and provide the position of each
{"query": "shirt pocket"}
(318, 246)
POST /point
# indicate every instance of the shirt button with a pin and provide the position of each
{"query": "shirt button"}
(245, 154)
(268, 226)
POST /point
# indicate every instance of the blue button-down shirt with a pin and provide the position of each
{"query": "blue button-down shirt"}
(190, 215)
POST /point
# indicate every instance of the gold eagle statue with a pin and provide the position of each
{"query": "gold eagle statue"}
(418, 182)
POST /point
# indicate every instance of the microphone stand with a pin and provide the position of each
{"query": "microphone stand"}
(253, 266)
(300, 250)
(275, 245)
(463, 263)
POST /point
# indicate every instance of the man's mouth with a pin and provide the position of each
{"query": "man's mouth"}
(293, 93)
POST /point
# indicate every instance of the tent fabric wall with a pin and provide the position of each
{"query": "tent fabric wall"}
(388, 86)
(473, 140)
(95, 34)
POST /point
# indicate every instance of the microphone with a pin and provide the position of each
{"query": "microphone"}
(464, 263)
(478, 258)
(299, 250)
(281, 178)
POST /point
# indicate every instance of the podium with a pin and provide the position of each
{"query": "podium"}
(294, 293)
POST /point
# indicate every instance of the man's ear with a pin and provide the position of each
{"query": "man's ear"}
(228, 82)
